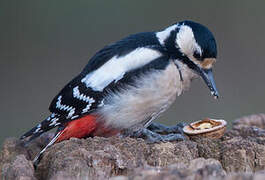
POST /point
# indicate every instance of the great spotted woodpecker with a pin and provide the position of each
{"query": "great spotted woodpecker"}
(129, 83)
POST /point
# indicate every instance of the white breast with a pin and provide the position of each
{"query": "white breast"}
(134, 106)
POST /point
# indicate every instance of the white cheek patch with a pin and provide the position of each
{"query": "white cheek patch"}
(186, 41)
(115, 68)
(163, 35)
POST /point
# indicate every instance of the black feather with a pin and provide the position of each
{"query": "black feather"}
(204, 38)
(119, 49)
(44, 126)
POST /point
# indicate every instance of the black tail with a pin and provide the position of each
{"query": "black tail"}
(52, 121)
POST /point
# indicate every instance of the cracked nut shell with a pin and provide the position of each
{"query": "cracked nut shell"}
(210, 128)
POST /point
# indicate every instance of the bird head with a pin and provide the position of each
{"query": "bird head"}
(193, 45)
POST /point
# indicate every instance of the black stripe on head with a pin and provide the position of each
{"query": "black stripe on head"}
(189, 63)
(170, 42)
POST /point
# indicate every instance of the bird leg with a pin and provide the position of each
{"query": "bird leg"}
(156, 132)
(162, 129)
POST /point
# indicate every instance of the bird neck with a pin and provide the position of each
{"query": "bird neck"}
(187, 75)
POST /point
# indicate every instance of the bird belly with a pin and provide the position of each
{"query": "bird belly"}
(137, 105)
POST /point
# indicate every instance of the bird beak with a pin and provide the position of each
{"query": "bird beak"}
(207, 75)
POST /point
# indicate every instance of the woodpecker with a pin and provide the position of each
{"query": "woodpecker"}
(127, 84)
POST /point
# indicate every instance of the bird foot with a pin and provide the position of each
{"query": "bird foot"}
(160, 133)
(162, 129)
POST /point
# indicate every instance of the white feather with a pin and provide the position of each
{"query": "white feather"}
(186, 41)
(64, 107)
(115, 68)
(135, 105)
(153, 94)
(82, 97)
(36, 159)
(163, 35)
(53, 121)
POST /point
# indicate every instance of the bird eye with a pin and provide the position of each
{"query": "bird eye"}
(197, 55)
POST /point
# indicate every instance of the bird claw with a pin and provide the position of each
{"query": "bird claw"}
(162, 129)
(160, 133)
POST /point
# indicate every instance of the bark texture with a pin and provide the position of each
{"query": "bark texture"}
(239, 154)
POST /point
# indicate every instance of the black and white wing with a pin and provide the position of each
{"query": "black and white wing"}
(111, 68)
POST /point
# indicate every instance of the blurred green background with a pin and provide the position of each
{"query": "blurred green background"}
(44, 44)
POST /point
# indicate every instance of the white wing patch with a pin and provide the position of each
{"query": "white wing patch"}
(82, 97)
(115, 68)
(63, 107)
